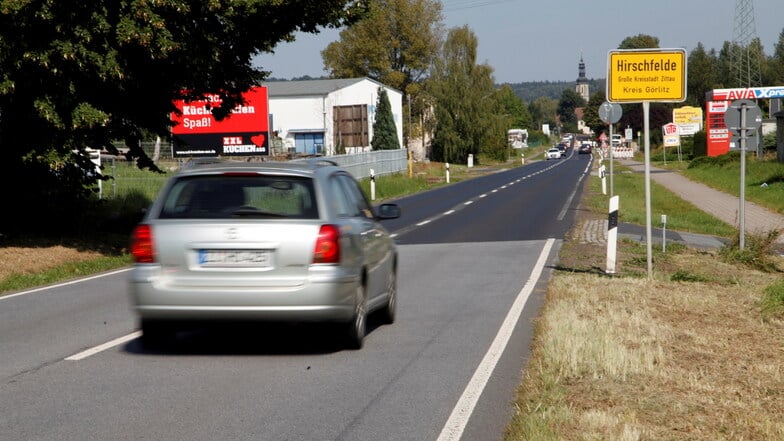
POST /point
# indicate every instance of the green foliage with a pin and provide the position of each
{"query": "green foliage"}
(514, 107)
(465, 106)
(685, 276)
(591, 112)
(384, 129)
(772, 302)
(756, 251)
(79, 75)
(570, 100)
(639, 41)
(544, 111)
(393, 44)
(700, 144)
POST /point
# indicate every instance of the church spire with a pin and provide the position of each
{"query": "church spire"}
(582, 82)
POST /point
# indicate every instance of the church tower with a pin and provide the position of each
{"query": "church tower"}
(582, 83)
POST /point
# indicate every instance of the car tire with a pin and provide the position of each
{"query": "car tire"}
(389, 311)
(155, 332)
(357, 327)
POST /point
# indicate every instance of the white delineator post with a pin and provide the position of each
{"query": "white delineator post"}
(372, 185)
(447, 172)
(603, 175)
(612, 235)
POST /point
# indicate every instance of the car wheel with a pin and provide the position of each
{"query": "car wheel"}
(355, 335)
(389, 311)
(154, 332)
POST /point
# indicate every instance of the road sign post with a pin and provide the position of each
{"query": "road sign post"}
(645, 76)
(741, 117)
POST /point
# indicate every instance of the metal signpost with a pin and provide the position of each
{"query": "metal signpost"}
(645, 76)
(610, 113)
(742, 117)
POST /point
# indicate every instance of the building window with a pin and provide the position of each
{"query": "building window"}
(309, 143)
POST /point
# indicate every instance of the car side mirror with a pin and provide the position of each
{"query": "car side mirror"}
(388, 211)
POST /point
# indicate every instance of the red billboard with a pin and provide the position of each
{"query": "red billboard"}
(244, 132)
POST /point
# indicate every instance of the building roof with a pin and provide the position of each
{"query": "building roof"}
(310, 87)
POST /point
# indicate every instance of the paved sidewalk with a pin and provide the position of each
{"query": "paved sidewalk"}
(716, 203)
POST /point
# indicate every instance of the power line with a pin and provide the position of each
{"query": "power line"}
(459, 5)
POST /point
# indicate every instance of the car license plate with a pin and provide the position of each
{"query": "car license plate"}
(235, 258)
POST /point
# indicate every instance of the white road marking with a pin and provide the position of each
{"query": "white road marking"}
(468, 202)
(447, 213)
(72, 282)
(424, 222)
(455, 425)
(100, 348)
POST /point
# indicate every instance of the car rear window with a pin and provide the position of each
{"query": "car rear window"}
(240, 196)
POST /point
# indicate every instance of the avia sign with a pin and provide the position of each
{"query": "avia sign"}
(750, 93)
(245, 132)
(654, 75)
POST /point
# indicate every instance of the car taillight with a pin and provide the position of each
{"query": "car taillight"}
(141, 245)
(327, 248)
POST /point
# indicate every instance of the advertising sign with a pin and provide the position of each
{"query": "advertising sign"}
(688, 119)
(747, 93)
(244, 132)
(656, 75)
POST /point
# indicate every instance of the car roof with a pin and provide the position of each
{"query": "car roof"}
(217, 165)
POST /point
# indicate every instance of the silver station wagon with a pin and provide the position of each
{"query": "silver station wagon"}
(265, 241)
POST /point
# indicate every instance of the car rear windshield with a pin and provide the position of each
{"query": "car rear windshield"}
(240, 196)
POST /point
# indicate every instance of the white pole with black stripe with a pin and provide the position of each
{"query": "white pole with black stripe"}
(612, 234)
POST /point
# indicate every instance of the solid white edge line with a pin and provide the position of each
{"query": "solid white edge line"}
(455, 425)
(100, 348)
(72, 282)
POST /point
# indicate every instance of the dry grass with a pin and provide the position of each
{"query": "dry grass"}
(30, 259)
(627, 358)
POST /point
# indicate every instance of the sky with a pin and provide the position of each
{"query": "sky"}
(524, 40)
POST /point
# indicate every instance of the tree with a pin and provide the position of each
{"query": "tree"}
(776, 62)
(514, 107)
(639, 41)
(395, 44)
(591, 112)
(384, 129)
(570, 100)
(84, 74)
(544, 111)
(464, 94)
(702, 75)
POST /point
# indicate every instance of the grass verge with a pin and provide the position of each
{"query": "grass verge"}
(695, 353)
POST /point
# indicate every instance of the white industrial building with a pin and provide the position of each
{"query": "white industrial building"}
(328, 116)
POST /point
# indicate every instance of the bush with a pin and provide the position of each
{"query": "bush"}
(756, 253)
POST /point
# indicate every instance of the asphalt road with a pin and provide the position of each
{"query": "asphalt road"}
(475, 260)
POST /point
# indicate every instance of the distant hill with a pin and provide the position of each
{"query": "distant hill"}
(532, 90)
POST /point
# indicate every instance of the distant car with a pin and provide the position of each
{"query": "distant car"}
(288, 241)
(553, 153)
(562, 147)
(585, 149)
